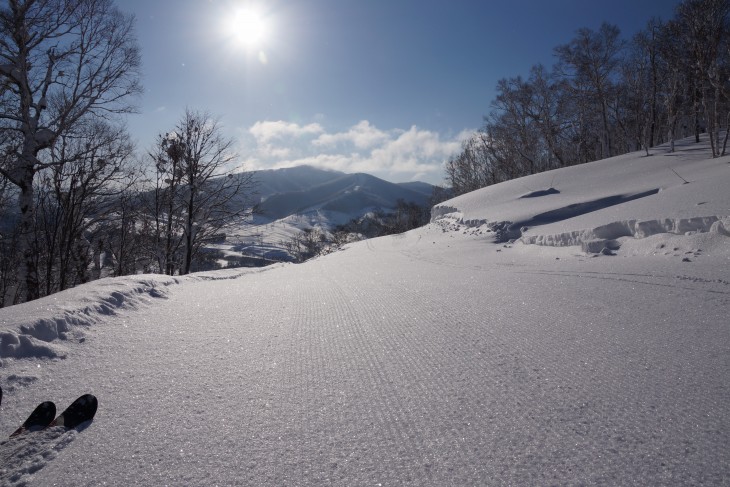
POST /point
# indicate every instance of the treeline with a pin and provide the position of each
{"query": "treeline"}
(606, 96)
(312, 242)
(406, 216)
(76, 201)
(113, 213)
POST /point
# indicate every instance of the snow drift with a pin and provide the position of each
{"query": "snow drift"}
(599, 203)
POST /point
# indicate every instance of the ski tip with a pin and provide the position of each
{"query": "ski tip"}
(80, 411)
(89, 399)
(40, 418)
(90, 403)
(17, 432)
(42, 415)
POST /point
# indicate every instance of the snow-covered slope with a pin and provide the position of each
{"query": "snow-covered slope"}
(625, 196)
(437, 357)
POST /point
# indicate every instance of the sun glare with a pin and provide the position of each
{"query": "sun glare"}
(247, 28)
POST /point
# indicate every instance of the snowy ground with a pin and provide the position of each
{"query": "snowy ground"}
(433, 358)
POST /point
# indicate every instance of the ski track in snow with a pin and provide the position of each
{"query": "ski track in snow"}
(341, 372)
(436, 357)
(23, 456)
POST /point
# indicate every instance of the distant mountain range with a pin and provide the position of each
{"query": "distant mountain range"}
(306, 189)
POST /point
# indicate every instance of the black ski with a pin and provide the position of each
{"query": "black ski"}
(81, 410)
(38, 419)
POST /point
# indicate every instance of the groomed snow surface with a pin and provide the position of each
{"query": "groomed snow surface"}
(461, 353)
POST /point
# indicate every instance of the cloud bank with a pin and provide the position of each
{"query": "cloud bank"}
(396, 155)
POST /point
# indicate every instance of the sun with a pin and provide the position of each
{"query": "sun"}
(247, 27)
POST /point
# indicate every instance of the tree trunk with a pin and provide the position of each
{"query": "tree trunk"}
(653, 114)
(28, 239)
(696, 109)
(169, 265)
(189, 232)
(672, 125)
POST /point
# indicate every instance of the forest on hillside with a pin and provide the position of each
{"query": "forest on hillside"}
(606, 96)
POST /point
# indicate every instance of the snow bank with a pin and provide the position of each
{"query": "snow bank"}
(594, 205)
(38, 329)
(34, 329)
(606, 236)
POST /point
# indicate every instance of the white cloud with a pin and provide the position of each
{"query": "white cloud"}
(268, 151)
(395, 154)
(267, 131)
(414, 150)
(362, 136)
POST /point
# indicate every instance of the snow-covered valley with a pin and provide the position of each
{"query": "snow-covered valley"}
(298, 199)
(449, 355)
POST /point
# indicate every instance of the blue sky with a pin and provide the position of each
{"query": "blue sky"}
(388, 87)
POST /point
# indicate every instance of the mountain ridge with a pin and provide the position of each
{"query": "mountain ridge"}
(303, 189)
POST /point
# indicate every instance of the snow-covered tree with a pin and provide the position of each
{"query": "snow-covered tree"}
(62, 62)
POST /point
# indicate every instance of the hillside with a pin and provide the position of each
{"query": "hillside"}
(302, 198)
(444, 356)
(293, 179)
(351, 194)
(593, 204)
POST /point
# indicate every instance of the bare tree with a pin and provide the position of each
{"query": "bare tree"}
(548, 109)
(164, 204)
(472, 168)
(123, 239)
(591, 60)
(82, 192)
(674, 66)
(305, 244)
(204, 192)
(513, 129)
(61, 62)
(8, 245)
(704, 24)
(648, 45)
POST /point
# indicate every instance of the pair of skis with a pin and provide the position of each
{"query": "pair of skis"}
(44, 416)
